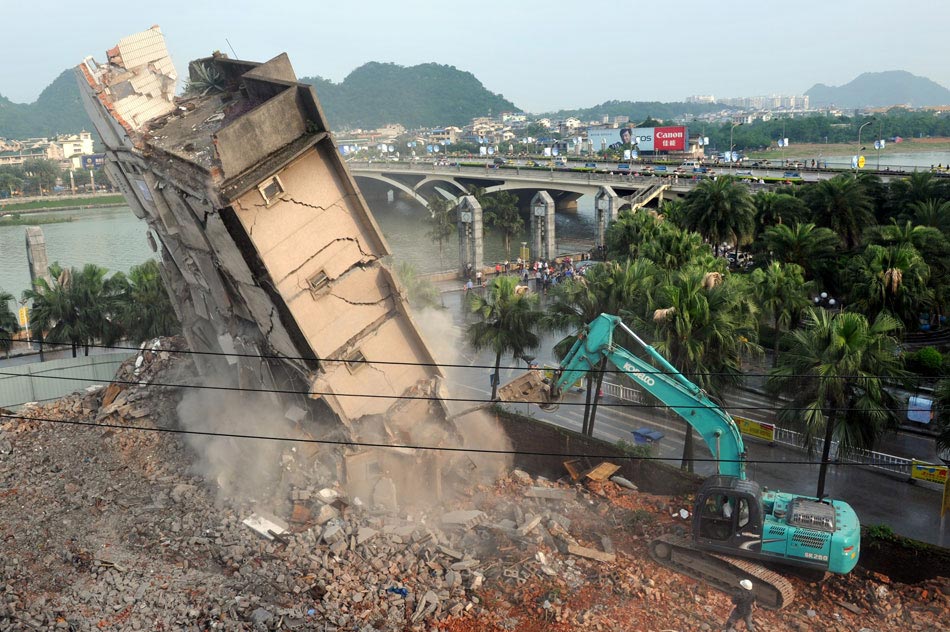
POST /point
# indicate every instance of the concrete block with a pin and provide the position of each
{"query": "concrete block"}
(583, 551)
(464, 518)
(551, 493)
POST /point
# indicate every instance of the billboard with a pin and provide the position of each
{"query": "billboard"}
(92, 161)
(645, 138)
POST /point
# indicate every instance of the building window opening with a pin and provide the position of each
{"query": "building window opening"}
(271, 190)
(354, 360)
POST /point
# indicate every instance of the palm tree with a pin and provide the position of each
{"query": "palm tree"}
(52, 314)
(76, 307)
(780, 291)
(508, 322)
(932, 212)
(892, 279)
(441, 225)
(500, 211)
(144, 310)
(841, 204)
(630, 232)
(773, 208)
(704, 325)
(8, 322)
(834, 371)
(720, 210)
(806, 245)
(609, 288)
(918, 187)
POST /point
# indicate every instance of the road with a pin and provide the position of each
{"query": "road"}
(912, 510)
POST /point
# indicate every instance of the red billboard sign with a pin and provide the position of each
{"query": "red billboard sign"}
(669, 139)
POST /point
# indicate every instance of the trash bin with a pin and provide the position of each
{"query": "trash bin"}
(646, 436)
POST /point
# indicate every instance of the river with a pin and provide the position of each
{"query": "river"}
(114, 239)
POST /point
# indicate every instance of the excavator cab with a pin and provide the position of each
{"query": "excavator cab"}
(727, 516)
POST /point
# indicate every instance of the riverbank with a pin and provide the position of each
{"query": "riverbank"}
(42, 204)
(811, 150)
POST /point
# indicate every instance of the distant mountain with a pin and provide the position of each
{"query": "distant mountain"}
(426, 95)
(56, 111)
(639, 111)
(876, 89)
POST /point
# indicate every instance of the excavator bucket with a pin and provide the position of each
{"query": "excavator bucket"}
(529, 387)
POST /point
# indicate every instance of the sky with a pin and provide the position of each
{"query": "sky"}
(541, 55)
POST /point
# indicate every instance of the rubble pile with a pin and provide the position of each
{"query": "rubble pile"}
(106, 527)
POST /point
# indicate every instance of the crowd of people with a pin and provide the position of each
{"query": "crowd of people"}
(539, 275)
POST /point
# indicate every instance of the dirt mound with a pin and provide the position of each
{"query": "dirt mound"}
(104, 526)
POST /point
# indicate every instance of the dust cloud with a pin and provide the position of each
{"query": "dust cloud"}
(244, 469)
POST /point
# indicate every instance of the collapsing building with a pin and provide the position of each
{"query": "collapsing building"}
(272, 259)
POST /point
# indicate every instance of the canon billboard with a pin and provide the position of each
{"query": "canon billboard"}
(645, 138)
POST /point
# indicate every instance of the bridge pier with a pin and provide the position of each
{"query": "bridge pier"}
(606, 208)
(471, 238)
(542, 226)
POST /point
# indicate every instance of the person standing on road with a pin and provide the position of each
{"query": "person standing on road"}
(744, 599)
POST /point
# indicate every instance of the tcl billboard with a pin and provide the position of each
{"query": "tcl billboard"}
(645, 138)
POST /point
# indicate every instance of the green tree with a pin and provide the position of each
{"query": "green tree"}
(441, 223)
(841, 204)
(53, 316)
(76, 307)
(705, 323)
(508, 322)
(805, 245)
(721, 210)
(932, 212)
(892, 279)
(143, 309)
(773, 208)
(41, 175)
(834, 373)
(614, 287)
(500, 212)
(9, 325)
(780, 290)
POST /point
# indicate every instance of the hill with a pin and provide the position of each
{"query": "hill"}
(58, 110)
(426, 95)
(639, 111)
(876, 89)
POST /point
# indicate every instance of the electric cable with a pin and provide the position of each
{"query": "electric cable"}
(467, 400)
(368, 444)
(441, 365)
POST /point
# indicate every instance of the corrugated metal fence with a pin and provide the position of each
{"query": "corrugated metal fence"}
(41, 381)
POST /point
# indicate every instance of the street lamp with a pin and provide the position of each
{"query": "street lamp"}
(826, 301)
(859, 136)
(731, 157)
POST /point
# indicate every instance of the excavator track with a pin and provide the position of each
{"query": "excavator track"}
(723, 572)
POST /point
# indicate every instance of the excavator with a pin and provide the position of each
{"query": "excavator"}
(737, 525)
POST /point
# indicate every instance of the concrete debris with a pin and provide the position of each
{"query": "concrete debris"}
(267, 527)
(620, 480)
(110, 529)
(551, 493)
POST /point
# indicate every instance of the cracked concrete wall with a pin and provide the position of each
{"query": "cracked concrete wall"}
(268, 249)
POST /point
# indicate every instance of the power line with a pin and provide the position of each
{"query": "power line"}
(367, 444)
(466, 400)
(594, 371)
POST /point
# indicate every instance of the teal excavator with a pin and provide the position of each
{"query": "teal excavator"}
(736, 524)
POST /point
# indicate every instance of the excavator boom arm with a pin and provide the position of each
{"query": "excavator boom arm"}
(667, 384)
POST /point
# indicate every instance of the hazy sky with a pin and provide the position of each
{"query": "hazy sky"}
(541, 55)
